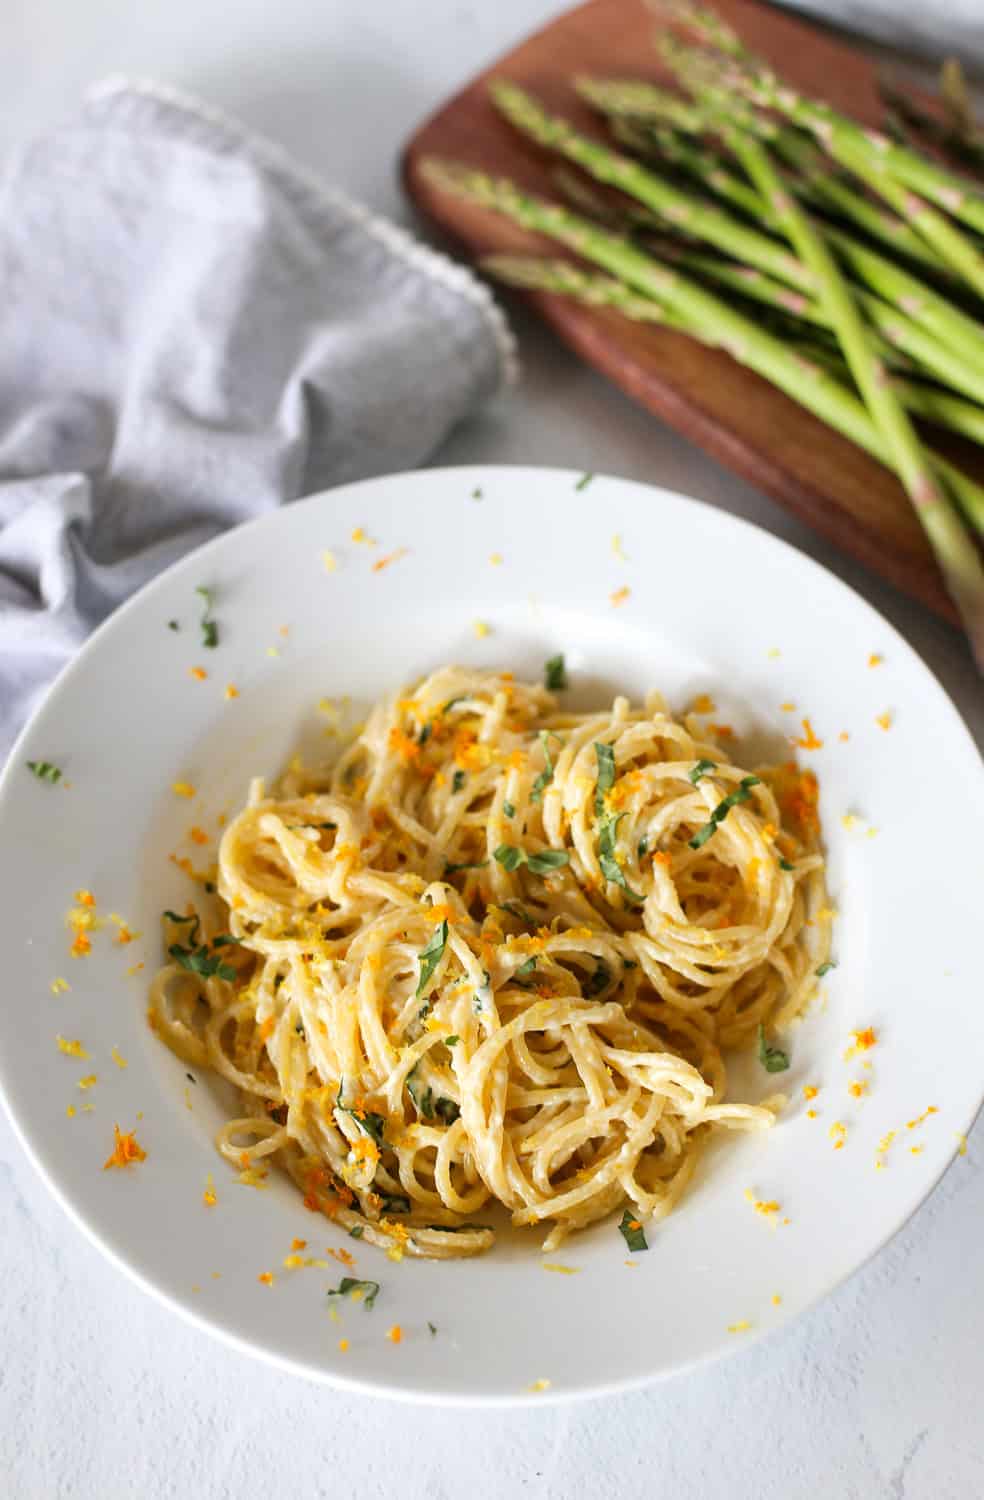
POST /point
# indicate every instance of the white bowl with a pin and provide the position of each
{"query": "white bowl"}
(715, 606)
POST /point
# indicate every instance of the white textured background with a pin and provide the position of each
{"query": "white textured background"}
(105, 1396)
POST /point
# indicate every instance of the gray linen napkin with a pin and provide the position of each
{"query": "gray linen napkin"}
(193, 331)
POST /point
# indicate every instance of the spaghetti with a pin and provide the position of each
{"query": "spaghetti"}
(495, 953)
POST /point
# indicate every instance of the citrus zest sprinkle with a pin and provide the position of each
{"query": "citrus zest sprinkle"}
(481, 629)
(874, 660)
(343, 1345)
(183, 789)
(126, 1150)
(266, 1278)
(619, 596)
(566, 1270)
(199, 673)
(884, 721)
(809, 740)
(59, 986)
(71, 1049)
(231, 690)
(742, 1326)
(395, 1334)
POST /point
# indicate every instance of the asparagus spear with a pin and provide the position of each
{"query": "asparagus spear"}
(709, 318)
(677, 207)
(564, 277)
(748, 74)
(634, 108)
(955, 551)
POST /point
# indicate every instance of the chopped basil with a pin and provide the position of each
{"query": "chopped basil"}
(525, 968)
(509, 809)
(546, 775)
(741, 793)
(348, 1285)
(191, 1078)
(210, 630)
(584, 481)
(598, 981)
(515, 910)
(509, 857)
(825, 968)
(451, 1041)
(423, 1098)
(425, 734)
(44, 770)
(431, 956)
(447, 1110)
(372, 1124)
(606, 776)
(356, 1232)
(632, 1232)
(478, 864)
(784, 864)
(173, 625)
(394, 1203)
(773, 1059)
(200, 958)
(701, 769)
(555, 673)
(457, 781)
(610, 867)
(432, 1327)
(200, 961)
(172, 916)
(476, 494)
(548, 859)
(642, 846)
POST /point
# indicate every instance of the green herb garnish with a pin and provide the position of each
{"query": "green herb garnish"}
(525, 968)
(701, 769)
(457, 781)
(368, 1290)
(476, 494)
(431, 956)
(597, 982)
(374, 1125)
(451, 1041)
(546, 775)
(632, 1231)
(784, 864)
(825, 968)
(447, 1110)
(610, 867)
(44, 770)
(200, 961)
(394, 1203)
(210, 630)
(547, 859)
(425, 734)
(584, 481)
(555, 673)
(432, 1327)
(509, 857)
(509, 809)
(356, 1232)
(773, 1059)
(642, 846)
(478, 864)
(173, 625)
(423, 1098)
(606, 776)
(741, 793)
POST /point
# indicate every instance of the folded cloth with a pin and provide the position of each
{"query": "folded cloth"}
(194, 330)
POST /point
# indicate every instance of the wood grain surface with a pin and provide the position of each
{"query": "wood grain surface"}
(729, 411)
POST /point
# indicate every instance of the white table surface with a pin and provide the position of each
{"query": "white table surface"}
(105, 1395)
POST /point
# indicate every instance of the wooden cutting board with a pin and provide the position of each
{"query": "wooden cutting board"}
(729, 411)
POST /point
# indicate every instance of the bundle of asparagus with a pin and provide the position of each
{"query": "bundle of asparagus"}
(842, 266)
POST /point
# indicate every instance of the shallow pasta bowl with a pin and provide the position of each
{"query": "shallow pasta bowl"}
(321, 605)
